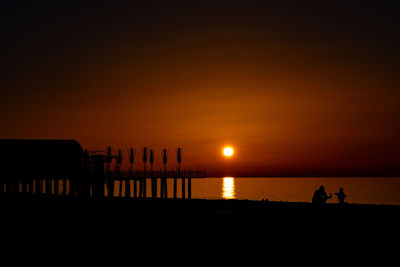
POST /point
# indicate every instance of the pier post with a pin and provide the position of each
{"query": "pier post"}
(143, 179)
(179, 161)
(153, 179)
(183, 184)
(24, 184)
(164, 189)
(134, 188)
(164, 176)
(48, 186)
(39, 186)
(153, 185)
(175, 184)
(64, 187)
(144, 182)
(189, 185)
(128, 188)
(56, 187)
(120, 186)
(161, 183)
(140, 187)
(14, 187)
(131, 161)
(110, 186)
(30, 186)
(118, 171)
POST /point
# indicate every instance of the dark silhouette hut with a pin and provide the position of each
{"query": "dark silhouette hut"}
(24, 160)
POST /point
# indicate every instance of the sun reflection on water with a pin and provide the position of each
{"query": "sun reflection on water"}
(228, 188)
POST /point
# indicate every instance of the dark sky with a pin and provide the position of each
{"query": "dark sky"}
(295, 87)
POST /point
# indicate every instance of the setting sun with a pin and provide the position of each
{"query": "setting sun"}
(228, 151)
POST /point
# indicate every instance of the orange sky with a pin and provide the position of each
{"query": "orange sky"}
(295, 92)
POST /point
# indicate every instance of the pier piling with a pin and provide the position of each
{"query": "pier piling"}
(164, 175)
(153, 179)
(189, 187)
(175, 187)
(143, 179)
(183, 184)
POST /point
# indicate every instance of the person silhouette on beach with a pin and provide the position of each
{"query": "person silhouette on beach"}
(320, 196)
(341, 195)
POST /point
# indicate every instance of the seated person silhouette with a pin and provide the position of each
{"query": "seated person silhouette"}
(341, 195)
(320, 196)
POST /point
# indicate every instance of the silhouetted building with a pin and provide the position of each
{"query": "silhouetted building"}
(22, 161)
(40, 158)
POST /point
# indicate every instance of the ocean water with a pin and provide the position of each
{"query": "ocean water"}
(363, 190)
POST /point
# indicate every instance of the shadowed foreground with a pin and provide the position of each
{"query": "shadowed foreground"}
(127, 229)
(174, 216)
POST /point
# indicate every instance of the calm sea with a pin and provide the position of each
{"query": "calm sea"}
(362, 190)
(366, 190)
(379, 190)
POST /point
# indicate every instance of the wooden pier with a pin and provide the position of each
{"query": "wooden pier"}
(62, 168)
(100, 188)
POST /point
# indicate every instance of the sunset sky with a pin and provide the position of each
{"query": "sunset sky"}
(297, 88)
